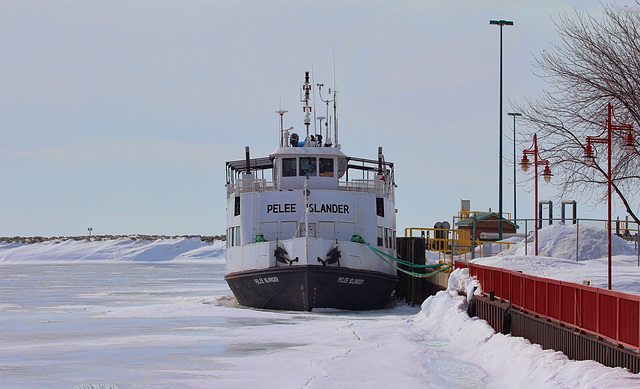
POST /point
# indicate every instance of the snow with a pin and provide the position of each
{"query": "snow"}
(122, 249)
(562, 241)
(158, 314)
(557, 258)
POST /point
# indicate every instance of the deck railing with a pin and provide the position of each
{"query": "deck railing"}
(380, 188)
(604, 313)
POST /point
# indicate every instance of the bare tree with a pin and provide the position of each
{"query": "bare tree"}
(596, 63)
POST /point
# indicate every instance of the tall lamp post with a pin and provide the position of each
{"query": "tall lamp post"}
(589, 159)
(515, 162)
(500, 23)
(533, 150)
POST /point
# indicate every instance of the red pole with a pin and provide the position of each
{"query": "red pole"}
(535, 149)
(610, 108)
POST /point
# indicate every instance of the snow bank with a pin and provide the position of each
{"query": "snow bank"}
(557, 259)
(123, 249)
(562, 241)
(508, 361)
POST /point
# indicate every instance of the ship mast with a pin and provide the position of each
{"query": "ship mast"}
(304, 98)
(327, 136)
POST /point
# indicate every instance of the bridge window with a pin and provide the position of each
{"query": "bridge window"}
(326, 167)
(308, 166)
(289, 167)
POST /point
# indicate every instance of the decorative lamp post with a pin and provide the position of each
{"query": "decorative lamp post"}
(500, 23)
(589, 160)
(515, 162)
(546, 173)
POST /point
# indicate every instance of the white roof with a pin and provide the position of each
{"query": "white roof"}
(308, 151)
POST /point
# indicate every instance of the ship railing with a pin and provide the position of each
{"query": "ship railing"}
(380, 188)
(251, 185)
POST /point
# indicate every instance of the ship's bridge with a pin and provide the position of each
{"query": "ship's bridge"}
(317, 167)
(326, 168)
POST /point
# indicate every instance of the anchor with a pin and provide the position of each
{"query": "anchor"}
(283, 257)
(332, 257)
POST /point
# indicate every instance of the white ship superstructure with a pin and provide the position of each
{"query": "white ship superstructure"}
(291, 220)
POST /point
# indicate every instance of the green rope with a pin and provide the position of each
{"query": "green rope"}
(382, 255)
(359, 239)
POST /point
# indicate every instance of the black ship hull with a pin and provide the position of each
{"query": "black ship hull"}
(304, 287)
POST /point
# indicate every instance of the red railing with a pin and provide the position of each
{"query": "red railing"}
(607, 314)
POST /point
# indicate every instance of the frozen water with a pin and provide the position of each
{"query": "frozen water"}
(451, 374)
(65, 325)
(134, 321)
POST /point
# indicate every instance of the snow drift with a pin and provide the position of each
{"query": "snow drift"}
(557, 259)
(122, 249)
(562, 241)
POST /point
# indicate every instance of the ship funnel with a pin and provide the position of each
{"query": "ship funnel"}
(246, 152)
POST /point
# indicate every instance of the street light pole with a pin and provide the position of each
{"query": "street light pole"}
(500, 23)
(589, 159)
(515, 162)
(533, 150)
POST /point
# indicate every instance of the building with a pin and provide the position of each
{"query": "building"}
(487, 222)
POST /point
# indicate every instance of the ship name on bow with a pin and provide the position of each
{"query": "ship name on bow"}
(316, 208)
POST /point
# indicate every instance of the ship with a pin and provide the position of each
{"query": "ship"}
(309, 226)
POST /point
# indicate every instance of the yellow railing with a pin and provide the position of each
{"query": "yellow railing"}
(454, 244)
(624, 229)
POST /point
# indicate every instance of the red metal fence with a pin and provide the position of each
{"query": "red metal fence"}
(607, 314)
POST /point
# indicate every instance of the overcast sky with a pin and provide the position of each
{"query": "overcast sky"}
(120, 115)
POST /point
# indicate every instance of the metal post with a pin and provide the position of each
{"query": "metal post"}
(610, 107)
(500, 23)
(526, 234)
(564, 212)
(500, 178)
(473, 243)
(577, 240)
(535, 148)
(515, 162)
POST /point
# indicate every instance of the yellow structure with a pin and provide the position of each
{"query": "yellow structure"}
(452, 243)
